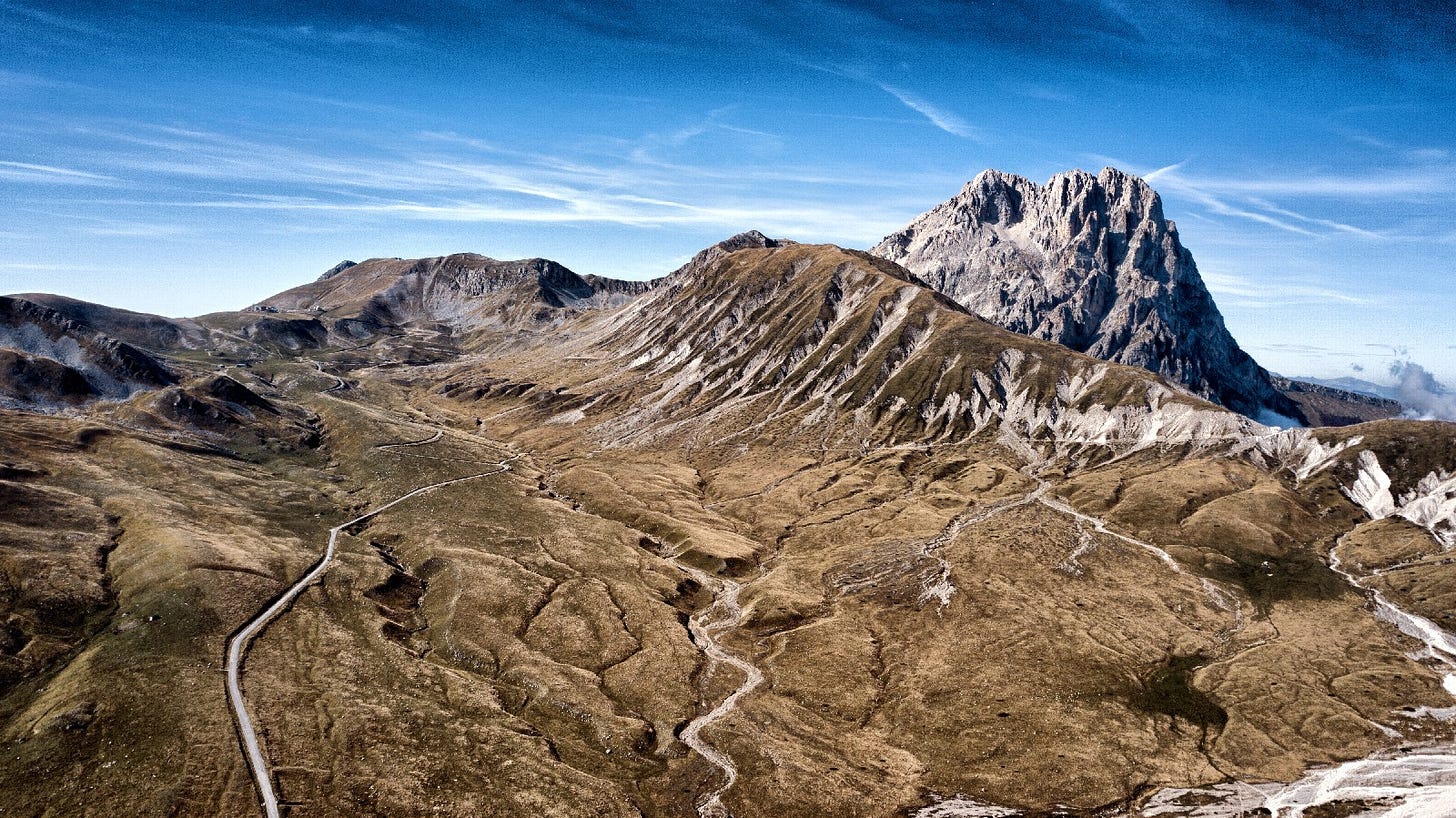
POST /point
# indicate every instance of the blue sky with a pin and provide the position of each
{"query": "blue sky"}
(172, 159)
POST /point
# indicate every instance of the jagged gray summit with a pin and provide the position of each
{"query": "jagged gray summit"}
(1090, 263)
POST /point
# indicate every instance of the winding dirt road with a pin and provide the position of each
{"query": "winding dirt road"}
(238, 645)
(339, 383)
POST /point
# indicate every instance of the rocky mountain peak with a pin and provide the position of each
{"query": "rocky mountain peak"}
(748, 238)
(336, 269)
(1089, 262)
(1070, 203)
(462, 292)
(994, 197)
(732, 244)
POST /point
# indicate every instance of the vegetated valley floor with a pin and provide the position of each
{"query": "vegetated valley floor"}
(980, 615)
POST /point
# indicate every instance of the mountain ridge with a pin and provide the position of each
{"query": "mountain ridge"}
(786, 532)
(1092, 263)
(53, 359)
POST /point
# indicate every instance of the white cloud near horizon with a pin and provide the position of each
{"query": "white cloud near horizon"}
(1424, 397)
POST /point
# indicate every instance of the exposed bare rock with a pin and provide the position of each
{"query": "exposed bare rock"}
(816, 342)
(221, 410)
(29, 379)
(1089, 262)
(613, 291)
(461, 293)
(139, 329)
(712, 253)
(336, 269)
(50, 360)
(806, 328)
(287, 333)
(1430, 504)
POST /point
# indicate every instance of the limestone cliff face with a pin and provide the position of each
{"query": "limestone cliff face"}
(1091, 263)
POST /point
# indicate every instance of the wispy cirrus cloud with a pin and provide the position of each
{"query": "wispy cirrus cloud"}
(940, 118)
(441, 162)
(34, 17)
(1241, 198)
(16, 80)
(393, 37)
(50, 174)
(1389, 184)
(1434, 176)
(788, 220)
(1254, 293)
(713, 124)
(448, 178)
(945, 120)
(29, 267)
(1300, 217)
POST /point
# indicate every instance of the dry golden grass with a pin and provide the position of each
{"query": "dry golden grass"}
(929, 617)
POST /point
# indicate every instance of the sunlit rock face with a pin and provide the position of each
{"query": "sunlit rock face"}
(1091, 263)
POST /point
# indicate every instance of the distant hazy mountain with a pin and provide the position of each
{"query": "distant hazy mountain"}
(1324, 405)
(1091, 263)
(1358, 385)
(464, 291)
(1416, 392)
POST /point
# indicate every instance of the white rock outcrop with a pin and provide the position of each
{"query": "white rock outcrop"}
(1090, 263)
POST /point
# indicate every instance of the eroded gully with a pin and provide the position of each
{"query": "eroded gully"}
(1416, 783)
(723, 615)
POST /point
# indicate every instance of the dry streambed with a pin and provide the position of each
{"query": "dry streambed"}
(721, 616)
